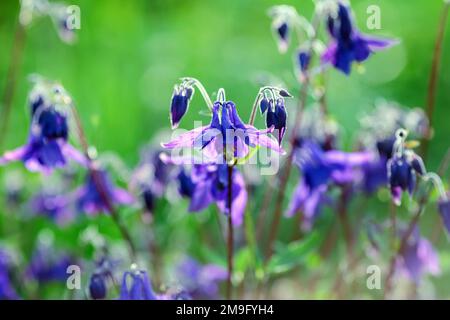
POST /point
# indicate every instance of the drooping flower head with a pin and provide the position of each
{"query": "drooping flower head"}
(403, 168)
(201, 281)
(347, 44)
(100, 278)
(48, 147)
(93, 197)
(319, 169)
(52, 205)
(181, 97)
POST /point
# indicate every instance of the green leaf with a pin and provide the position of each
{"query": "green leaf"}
(295, 253)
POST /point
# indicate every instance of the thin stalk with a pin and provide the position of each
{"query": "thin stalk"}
(11, 80)
(403, 243)
(434, 75)
(230, 233)
(101, 188)
(343, 218)
(287, 170)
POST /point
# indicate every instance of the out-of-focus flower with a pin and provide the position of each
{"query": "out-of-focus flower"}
(226, 133)
(48, 265)
(91, 200)
(48, 147)
(136, 286)
(444, 210)
(201, 281)
(208, 184)
(319, 169)
(7, 291)
(54, 206)
(103, 273)
(347, 43)
(418, 258)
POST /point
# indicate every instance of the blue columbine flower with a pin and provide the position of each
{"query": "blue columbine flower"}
(47, 146)
(181, 98)
(201, 281)
(276, 118)
(303, 60)
(348, 44)
(226, 132)
(208, 184)
(97, 287)
(320, 168)
(418, 257)
(91, 201)
(282, 32)
(7, 291)
(54, 206)
(46, 265)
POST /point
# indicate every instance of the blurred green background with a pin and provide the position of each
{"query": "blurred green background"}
(129, 54)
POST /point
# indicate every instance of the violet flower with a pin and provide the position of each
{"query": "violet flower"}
(136, 286)
(444, 210)
(54, 206)
(418, 257)
(7, 291)
(90, 199)
(226, 132)
(319, 169)
(181, 98)
(209, 183)
(347, 43)
(201, 281)
(48, 145)
(46, 265)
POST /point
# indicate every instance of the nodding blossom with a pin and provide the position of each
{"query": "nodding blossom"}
(91, 200)
(136, 286)
(403, 168)
(444, 210)
(98, 282)
(54, 206)
(181, 97)
(47, 147)
(208, 184)
(319, 170)
(347, 43)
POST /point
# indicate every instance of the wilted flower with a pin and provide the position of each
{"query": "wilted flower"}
(320, 168)
(91, 200)
(347, 43)
(201, 281)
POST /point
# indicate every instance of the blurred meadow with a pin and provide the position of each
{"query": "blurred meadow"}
(121, 72)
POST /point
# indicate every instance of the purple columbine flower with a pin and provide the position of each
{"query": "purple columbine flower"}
(90, 199)
(303, 60)
(46, 265)
(47, 146)
(418, 257)
(7, 291)
(347, 43)
(402, 171)
(276, 118)
(136, 286)
(201, 281)
(55, 207)
(226, 132)
(181, 98)
(208, 184)
(320, 168)
(281, 30)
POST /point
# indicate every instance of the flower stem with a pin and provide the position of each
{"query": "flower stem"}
(287, 170)
(434, 75)
(230, 232)
(101, 188)
(11, 80)
(403, 242)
